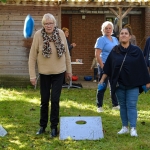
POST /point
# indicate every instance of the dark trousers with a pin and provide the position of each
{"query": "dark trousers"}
(64, 80)
(100, 94)
(50, 90)
(95, 73)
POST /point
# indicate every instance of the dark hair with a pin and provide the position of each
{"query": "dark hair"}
(117, 47)
(128, 26)
(129, 30)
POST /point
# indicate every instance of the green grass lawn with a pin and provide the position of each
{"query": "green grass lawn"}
(19, 115)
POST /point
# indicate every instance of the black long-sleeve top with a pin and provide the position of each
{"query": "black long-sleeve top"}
(146, 51)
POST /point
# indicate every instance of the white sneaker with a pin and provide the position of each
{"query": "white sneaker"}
(124, 130)
(116, 107)
(94, 81)
(100, 109)
(133, 132)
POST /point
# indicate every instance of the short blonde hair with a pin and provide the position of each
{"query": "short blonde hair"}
(65, 29)
(48, 16)
(104, 25)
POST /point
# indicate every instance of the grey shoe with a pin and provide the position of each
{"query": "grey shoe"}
(124, 130)
(100, 109)
(133, 132)
(116, 107)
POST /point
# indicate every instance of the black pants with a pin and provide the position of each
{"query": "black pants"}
(50, 90)
(100, 94)
(64, 80)
(95, 73)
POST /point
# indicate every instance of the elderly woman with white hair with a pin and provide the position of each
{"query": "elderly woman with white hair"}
(103, 47)
(50, 50)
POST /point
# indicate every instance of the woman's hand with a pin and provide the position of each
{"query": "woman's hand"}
(102, 65)
(69, 76)
(101, 81)
(104, 76)
(148, 85)
(73, 44)
(33, 81)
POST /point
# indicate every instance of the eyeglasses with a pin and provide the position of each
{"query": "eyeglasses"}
(48, 24)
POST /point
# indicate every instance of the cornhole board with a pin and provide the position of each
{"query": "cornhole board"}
(81, 128)
(3, 132)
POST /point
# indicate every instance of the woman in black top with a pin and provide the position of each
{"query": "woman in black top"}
(126, 77)
(147, 53)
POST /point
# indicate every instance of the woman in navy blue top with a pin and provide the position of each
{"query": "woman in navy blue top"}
(103, 47)
(126, 78)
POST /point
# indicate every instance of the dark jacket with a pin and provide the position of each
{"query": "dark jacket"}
(134, 72)
(147, 52)
(70, 47)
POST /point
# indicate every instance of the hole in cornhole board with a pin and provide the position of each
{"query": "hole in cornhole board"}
(81, 122)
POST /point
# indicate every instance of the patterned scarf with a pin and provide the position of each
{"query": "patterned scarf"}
(53, 38)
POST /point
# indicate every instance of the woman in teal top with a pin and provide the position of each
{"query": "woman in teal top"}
(103, 47)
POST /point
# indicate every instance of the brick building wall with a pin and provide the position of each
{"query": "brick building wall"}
(147, 22)
(139, 28)
(84, 34)
(135, 21)
(86, 31)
